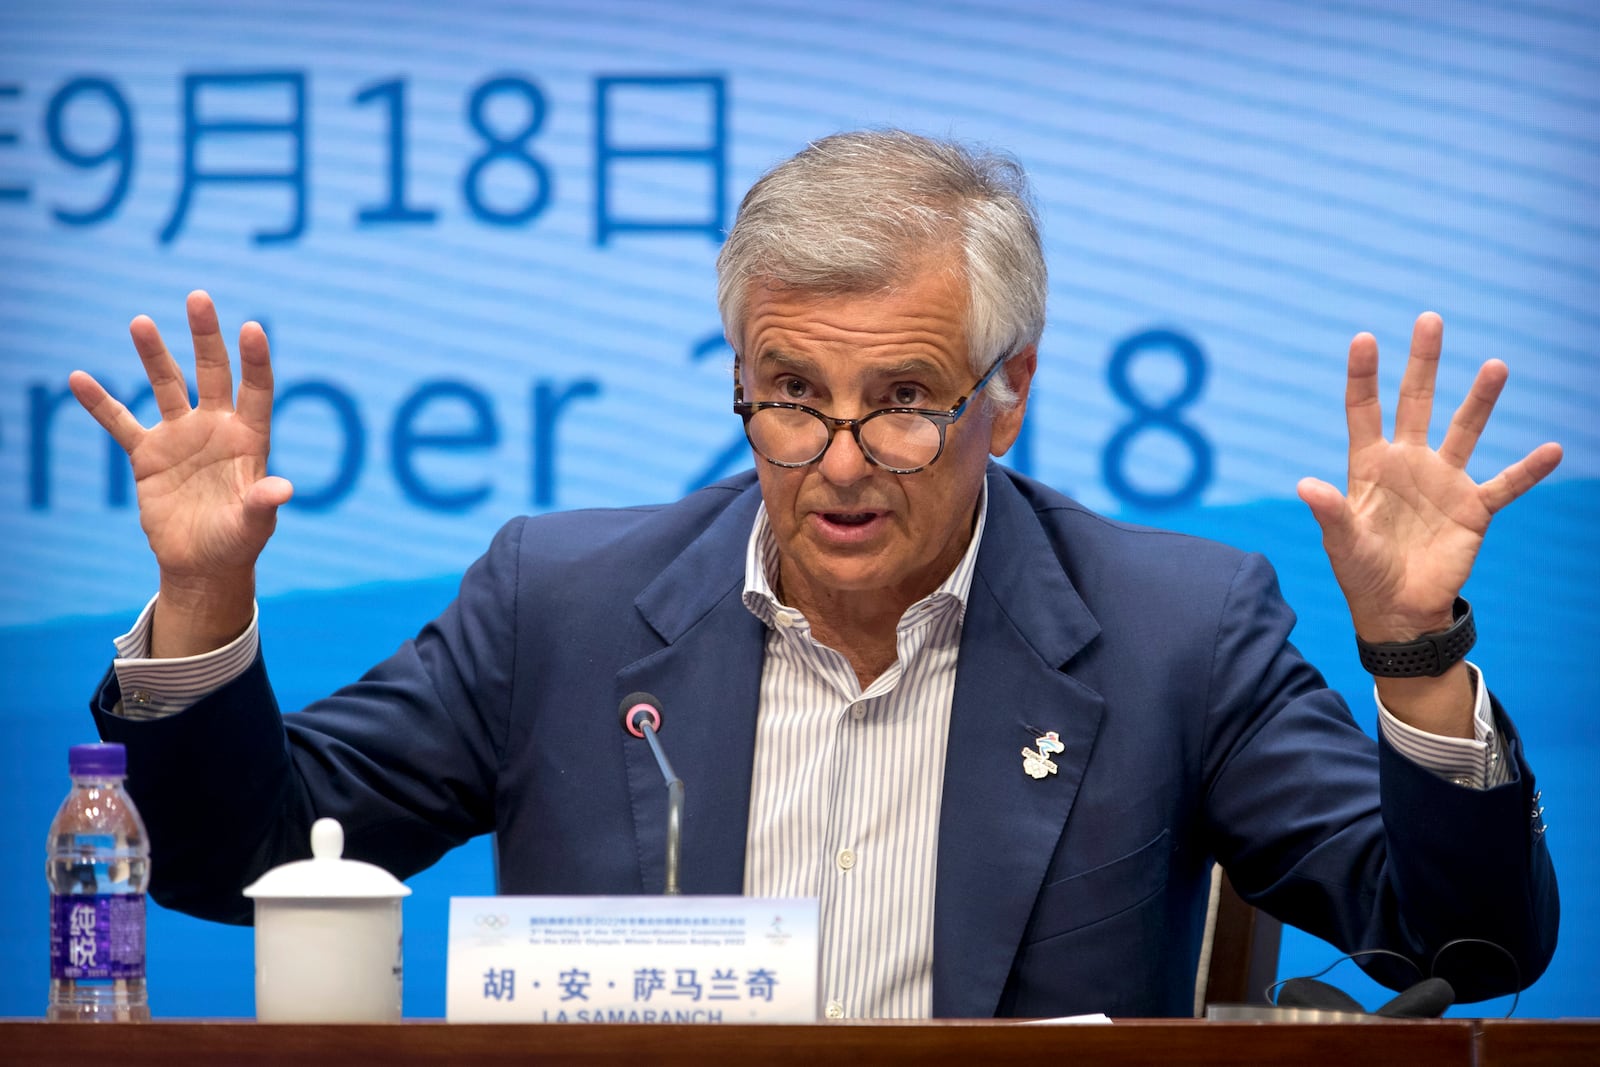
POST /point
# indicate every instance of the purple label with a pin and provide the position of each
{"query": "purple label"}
(97, 936)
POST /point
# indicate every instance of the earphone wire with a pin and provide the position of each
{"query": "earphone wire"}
(1433, 967)
(1272, 989)
(1516, 971)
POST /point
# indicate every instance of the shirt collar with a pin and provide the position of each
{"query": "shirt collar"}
(761, 573)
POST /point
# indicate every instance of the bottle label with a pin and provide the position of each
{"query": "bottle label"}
(97, 936)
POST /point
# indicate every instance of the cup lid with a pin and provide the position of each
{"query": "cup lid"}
(327, 874)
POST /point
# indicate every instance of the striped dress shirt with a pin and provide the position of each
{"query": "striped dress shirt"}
(844, 796)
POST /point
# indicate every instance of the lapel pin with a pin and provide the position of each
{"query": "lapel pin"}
(1038, 763)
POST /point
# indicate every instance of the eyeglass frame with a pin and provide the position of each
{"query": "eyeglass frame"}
(746, 409)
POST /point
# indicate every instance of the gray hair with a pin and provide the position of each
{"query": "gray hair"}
(860, 212)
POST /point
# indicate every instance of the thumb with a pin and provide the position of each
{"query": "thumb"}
(264, 497)
(1331, 510)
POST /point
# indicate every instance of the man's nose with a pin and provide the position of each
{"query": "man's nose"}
(844, 463)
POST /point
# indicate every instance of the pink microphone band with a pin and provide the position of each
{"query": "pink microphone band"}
(633, 712)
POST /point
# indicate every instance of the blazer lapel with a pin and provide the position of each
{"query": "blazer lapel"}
(707, 676)
(998, 826)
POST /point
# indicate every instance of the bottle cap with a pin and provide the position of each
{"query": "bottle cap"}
(326, 874)
(107, 760)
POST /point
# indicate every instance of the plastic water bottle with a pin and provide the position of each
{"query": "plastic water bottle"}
(98, 866)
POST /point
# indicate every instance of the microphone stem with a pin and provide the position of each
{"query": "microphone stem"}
(674, 808)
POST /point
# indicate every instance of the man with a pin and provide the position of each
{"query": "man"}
(1001, 738)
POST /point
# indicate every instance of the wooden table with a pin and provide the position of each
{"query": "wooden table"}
(1452, 1042)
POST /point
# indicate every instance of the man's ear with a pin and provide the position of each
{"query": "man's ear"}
(1008, 423)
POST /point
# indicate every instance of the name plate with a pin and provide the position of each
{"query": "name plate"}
(632, 960)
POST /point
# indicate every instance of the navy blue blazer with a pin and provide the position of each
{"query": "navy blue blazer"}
(1192, 729)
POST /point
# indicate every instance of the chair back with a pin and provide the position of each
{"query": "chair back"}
(1239, 953)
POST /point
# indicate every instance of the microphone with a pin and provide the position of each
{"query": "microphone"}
(641, 717)
(1426, 1000)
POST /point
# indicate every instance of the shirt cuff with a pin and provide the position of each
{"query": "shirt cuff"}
(156, 688)
(1477, 762)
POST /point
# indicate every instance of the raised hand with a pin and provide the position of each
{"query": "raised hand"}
(206, 502)
(1404, 536)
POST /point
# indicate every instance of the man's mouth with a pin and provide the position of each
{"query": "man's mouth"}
(848, 527)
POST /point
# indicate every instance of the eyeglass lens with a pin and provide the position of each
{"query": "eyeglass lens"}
(891, 439)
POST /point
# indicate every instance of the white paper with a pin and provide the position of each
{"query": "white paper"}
(632, 959)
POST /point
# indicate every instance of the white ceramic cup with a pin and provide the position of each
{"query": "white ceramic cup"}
(328, 961)
(328, 938)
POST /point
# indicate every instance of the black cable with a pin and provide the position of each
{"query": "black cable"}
(1516, 971)
(1433, 967)
(1273, 988)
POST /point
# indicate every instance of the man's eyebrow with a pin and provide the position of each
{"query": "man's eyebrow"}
(909, 366)
(775, 359)
(913, 366)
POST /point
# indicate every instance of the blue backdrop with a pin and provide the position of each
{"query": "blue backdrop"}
(481, 237)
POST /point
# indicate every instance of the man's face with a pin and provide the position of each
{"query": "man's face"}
(854, 537)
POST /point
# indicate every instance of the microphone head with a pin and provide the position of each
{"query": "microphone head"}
(1319, 996)
(1426, 1000)
(638, 710)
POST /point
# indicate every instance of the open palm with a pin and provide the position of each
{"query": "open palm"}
(1403, 538)
(206, 502)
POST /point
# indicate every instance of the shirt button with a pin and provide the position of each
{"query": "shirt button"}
(835, 1010)
(858, 710)
(139, 696)
(847, 859)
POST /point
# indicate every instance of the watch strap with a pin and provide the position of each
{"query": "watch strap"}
(1428, 656)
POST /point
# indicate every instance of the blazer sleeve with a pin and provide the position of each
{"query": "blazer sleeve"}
(1354, 842)
(405, 758)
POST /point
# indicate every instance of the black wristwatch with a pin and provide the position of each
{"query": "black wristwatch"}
(1429, 655)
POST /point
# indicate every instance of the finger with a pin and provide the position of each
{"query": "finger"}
(255, 379)
(107, 410)
(262, 501)
(166, 378)
(1363, 411)
(1467, 424)
(1415, 407)
(1521, 476)
(268, 494)
(1331, 510)
(212, 374)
